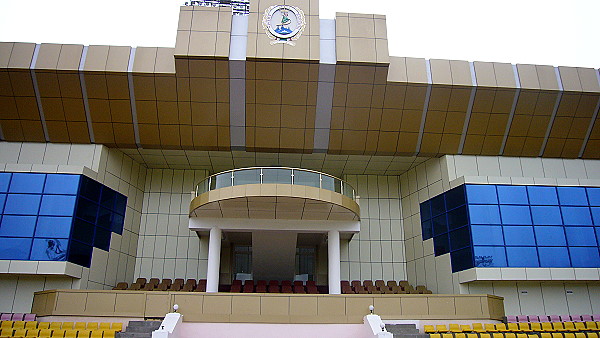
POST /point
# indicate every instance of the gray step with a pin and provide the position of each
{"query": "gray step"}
(151, 324)
(139, 329)
(402, 328)
(133, 335)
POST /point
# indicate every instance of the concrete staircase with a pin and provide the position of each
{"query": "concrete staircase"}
(405, 331)
(139, 329)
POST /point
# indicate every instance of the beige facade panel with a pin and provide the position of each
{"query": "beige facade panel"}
(48, 56)
(5, 51)
(528, 76)
(145, 59)
(70, 57)
(570, 79)
(440, 72)
(96, 58)
(118, 59)
(165, 61)
(21, 55)
(185, 18)
(461, 73)
(485, 74)
(505, 75)
(416, 70)
(547, 77)
(589, 79)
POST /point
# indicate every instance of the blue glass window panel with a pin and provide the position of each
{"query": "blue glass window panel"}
(550, 236)
(593, 196)
(279, 175)
(489, 256)
(49, 249)
(460, 238)
(487, 235)
(554, 257)
(53, 227)
(519, 235)
(572, 196)
(576, 215)
(2, 200)
(104, 218)
(546, 215)
(581, 236)
(102, 239)
(86, 210)
(62, 184)
(27, 183)
(80, 253)
(4, 181)
(18, 204)
(441, 244)
(482, 194)
(458, 217)
(461, 259)
(427, 230)
(120, 204)
(440, 225)
(542, 195)
(582, 257)
(108, 198)
(437, 205)
(484, 214)
(455, 197)
(522, 257)
(83, 231)
(425, 209)
(17, 226)
(512, 194)
(117, 224)
(596, 215)
(90, 189)
(15, 248)
(57, 205)
(514, 214)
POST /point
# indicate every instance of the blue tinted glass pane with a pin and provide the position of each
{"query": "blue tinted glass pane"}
(509, 194)
(277, 176)
(49, 249)
(550, 236)
(583, 236)
(83, 231)
(104, 218)
(543, 215)
(461, 259)
(593, 196)
(484, 214)
(4, 181)
(108, 198)
(519, 235)
(117, 224)
(441, 244)
(2, 200)
(427, 230)
(90, 189)
(460, 238)
(576, 215)
(57, 205)
(542, 195)
(61, 184)
(489, 256)
(15, 248)
(27, 183)
(18, 226)
(482, 194)
(53, 227)
(487, 235)
(86, 210)
(585, 257)
(80, 254)
(425, 208)
(437, 205)
(596, 215)
(554, 257)
(513, 214)
(572, 196)
(522, 257)
(440, 225)
(458, 217)
(22, 204)
(120, 204)
(455, 197)
(102, 239)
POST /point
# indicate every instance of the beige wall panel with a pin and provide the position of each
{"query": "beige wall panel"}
(528, 76)
(342, 49)
(70, 57)
(145, 58)
(332, 309)
(118, 58)
(202, 43)
(461, 73)
(191, 305)
(441, 306)
(182, 42)
(70, 303)
(48, 84)
(358, 307)
(547, 77)
(225, 16)
(245, 306)
(468, 307)
(362, 27)
(205, 19)
(21, 55)
(216, 307)
(505, 75)
(100, 304)
(383, 53)
(363, 50)
(380, 26)
(131, 304)
(5, 51)
(157, 304)
(48, 56)
(388, 308)
(440, 71)
(569, 77)
(274, 309)
(165, 62)
(39, 304)
(416, 306)
(589, 79)
(96, 58)
(484, 72)
(303, 309)
(342, 27)
(185, 19)
(416, 70)
(309, 7)
(222, 44)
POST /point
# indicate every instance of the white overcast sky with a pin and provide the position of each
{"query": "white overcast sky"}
(550, 32)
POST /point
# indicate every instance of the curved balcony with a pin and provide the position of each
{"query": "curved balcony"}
(275, 193)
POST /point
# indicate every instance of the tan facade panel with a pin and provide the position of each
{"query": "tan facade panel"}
(570, 79)
(21, 55)
(118, 59)
(461, 73)
(165, 63)
(5, 51)
(416, 70)
(547, 78)
(485, 74)
(145, 59)
(589, 79)
(96, 58)
(48, 56)
(440, 72)
(505, 75)
(528, 76)
(70, 57)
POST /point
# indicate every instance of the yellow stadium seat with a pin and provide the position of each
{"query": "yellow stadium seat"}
(532, 336)
(117, 326)
(8, 324)
(501, 327)
(466, 328)
(510, 335)
(557, 335)
(428, 329)
(547, 327)
(96, 334)
(92, 326)
(485, 335)
(455, 328)
(19, 324)
(435, 335)
(45, 333)
(536, 327)
(570, 326)
(559, 326)
(80, 326)
(490, 328)
(32, 333)
(31, 325)
(446, 335)
(498, 335)
(67, 325)
(513, 327)
(580, 335)
(460, 335)
(579, 326)
(545, 335)
(84, 333)
(524, 327)
(43, 325)
(55, 325)
(6, 332)
(521, 335)
(592, 335)
(71, 333)
(20, 333)
(471, 335)
(478, 327)
(104, 326)
(569, 335)
(109, 333)
(58, 333)
(441, 328)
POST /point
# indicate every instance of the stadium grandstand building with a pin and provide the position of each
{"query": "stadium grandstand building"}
(274, 146)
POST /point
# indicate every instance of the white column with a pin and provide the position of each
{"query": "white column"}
(214, 260)
(333, 250)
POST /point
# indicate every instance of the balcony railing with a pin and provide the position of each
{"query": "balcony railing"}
(275, 175)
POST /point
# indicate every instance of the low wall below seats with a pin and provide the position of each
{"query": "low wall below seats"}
(264, 307)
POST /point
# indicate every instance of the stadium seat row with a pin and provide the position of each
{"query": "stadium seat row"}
(515, 327)
(33, 325)
(380, 286)
(515, 335)
(552, 318)
(49, 333)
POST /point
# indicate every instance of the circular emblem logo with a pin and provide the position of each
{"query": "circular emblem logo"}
(284, 23)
